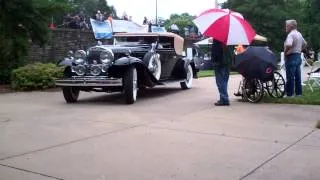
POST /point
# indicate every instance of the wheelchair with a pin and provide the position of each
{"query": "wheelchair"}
(253, 89)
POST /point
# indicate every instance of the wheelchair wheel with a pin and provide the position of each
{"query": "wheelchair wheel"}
(253, 90)
(276, 87)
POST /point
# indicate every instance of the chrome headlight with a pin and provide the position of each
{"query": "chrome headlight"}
(106, 56)
(70, 54)
(95, 70)
(80, 54)
(80, 70)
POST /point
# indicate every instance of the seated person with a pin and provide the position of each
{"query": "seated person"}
(238, 50)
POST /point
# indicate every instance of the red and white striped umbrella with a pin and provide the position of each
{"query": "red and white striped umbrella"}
(225, 26)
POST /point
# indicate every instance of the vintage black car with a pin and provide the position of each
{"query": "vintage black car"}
(133, 62)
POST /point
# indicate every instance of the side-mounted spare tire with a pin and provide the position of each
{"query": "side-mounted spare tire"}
(130, 85)
(153, 62)
(187, 83)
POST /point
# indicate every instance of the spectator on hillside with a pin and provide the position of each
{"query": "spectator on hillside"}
(125, 16)
(99, 16)
(74, 23)
(83, 24)
(145, 21)
(67, 19)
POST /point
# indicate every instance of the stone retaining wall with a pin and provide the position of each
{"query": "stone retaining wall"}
(60, 42)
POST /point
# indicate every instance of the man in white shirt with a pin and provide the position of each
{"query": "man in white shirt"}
(293, 46)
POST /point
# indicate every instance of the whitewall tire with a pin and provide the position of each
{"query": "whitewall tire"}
(130, 85)
(187, 83)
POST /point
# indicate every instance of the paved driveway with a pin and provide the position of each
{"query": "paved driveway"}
(167, 134)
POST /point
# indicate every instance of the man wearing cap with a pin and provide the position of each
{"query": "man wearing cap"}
(293, 46)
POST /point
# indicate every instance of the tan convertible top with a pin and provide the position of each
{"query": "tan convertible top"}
(178, 40)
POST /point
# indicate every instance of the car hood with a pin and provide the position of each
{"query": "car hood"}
(119, 49)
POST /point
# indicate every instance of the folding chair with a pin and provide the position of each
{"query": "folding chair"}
(314, 75)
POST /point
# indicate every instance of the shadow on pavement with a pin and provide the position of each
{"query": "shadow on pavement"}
(117, 98)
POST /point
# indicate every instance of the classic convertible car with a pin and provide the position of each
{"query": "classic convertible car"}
(134, 61)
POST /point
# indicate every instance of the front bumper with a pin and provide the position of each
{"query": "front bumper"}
(89, 81)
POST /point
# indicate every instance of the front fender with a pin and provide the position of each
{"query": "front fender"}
(191, 62)
(125, 61)
(145, 76)
(65, 62)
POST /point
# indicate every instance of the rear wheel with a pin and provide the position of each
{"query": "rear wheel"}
(187, 83)
(70, 94)
(276, 87)
(130, 85)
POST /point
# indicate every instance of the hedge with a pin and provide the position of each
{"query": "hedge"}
(35, 76)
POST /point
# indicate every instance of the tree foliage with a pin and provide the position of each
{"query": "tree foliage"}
(312, 19)
(20, 23)
(268, 18)
(181, 20)
(90, 7)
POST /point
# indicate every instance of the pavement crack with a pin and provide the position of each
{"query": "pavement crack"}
(276, 155)
(218, 134)
(70, 142)
(78, 140)
(32, 172)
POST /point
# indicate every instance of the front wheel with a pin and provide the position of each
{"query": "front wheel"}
(70, 94)
(130, 85)
(187, 83)
(253, 90)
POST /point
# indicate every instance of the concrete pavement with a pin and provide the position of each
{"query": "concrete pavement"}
(167, 134)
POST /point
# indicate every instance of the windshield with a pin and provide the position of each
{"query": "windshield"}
(135, 40)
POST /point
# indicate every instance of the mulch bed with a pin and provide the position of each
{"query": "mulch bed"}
(4, 88)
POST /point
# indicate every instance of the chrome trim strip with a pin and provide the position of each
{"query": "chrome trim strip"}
(89, 82)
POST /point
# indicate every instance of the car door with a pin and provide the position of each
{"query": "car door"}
(168, 57)
(168, 60)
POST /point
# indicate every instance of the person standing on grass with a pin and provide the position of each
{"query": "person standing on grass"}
(220, 55)
(293, 46)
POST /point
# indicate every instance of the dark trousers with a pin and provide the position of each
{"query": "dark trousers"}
(222, 78)
(293, 74)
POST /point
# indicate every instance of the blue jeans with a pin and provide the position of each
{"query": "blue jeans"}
(293, 74)
(222, 78)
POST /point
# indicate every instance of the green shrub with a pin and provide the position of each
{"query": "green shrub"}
(35, 76)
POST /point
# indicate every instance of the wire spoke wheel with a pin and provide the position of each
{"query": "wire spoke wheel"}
(276, 87)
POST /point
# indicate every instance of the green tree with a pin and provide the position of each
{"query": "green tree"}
(22, 22)
(268, 17)
(312, 19)
(90, 7)
(182, 21)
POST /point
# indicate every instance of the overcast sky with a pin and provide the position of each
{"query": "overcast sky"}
(140, 8)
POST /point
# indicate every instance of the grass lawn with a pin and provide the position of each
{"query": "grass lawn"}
(210, 73)
(309, 97)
